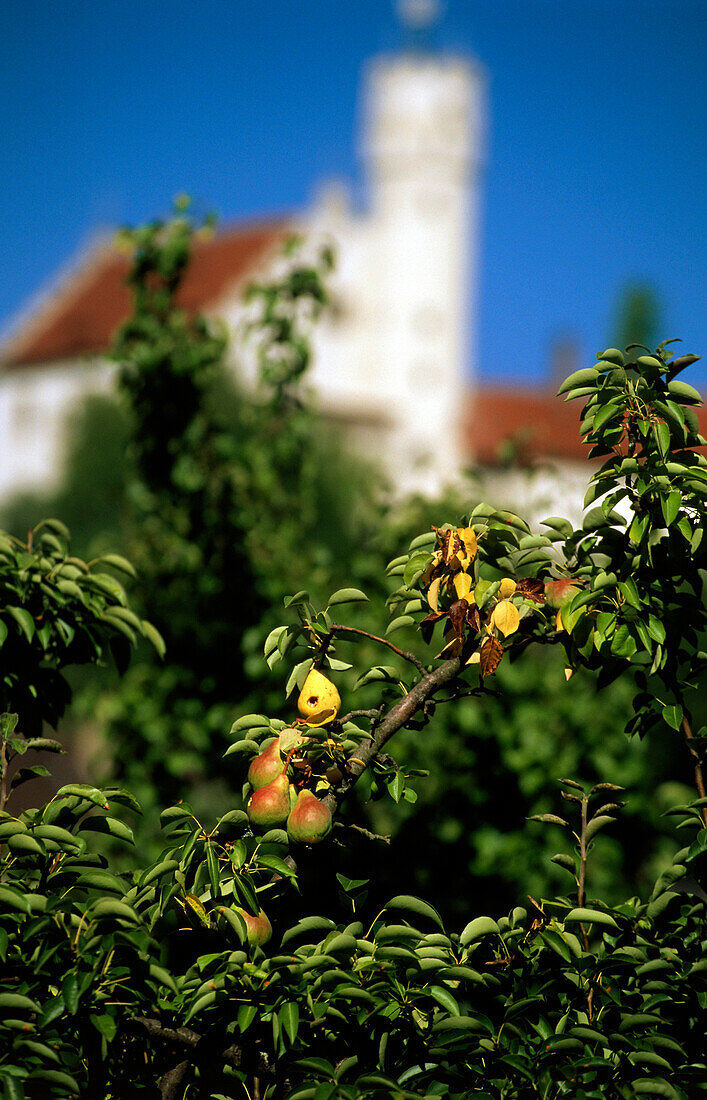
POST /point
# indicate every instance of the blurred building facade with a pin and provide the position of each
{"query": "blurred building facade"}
(395, 360)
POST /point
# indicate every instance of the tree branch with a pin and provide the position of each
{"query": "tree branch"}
(394, 720)
(338, 628)
(365, 833)
(233, 1054)
(171, 1084)
(697, 763)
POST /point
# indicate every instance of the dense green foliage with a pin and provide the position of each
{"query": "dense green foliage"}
(164, 980)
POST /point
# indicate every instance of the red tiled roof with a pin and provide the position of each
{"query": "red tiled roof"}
(81, 318)
(526, 425)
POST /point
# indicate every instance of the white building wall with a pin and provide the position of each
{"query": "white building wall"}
(35, 402)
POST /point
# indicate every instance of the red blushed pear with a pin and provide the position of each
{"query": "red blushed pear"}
(561, 591)
(270, 805)
(267, 766)
(310, 820)
(258, 929)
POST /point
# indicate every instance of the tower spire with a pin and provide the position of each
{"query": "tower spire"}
(418, 19)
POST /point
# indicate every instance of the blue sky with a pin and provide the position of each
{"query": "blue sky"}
(596, 160)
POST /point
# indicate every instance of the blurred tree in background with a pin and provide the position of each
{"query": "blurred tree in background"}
(638, 316)
(228, 498)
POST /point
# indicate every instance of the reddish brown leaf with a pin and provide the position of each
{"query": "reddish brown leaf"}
(532, 589)
(433, 617)
(457, 616)
(473, 618)
(491, 654)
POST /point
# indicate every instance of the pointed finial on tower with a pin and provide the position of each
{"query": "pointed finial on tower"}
(418, 18)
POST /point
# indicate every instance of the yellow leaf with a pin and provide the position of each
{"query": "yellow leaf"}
(452, 649)
(507, 588)
(505, 617)
(569, 673)
(462, 586)
(427, 575)
(467, 551)
(433, 594)
(491, 654)
(558, 621)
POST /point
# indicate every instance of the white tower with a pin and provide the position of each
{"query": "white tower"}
(422, 147)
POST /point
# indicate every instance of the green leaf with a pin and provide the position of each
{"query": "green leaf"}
(459, 1023)
(111, 907)
(117, 561)
(21, 842)
(250, 722)
(475, 929)
(152, 634)
(399, 623)
(110, 825)
(246, 1015)
(289, 1019)
(684, 393)
(396, 786)
(589, 916)
(24, 620)
(14, 899)
(597, 823)
(585, 377)
(274, 863)
(17, 1002)
(444, 998)
(213, 868)
(670, 506)
(673, 716)
(298, 676)
(661, 432)
(415, 905)
(347, 595)
(298, 598)
(308, 924)
(163, 977)
(55, 1077)
(105, 1024)
(428, 538)
(83, 790)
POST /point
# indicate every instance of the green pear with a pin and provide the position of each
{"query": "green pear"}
(310, 820)
(258, 929)
(267, 766)
(270, 805)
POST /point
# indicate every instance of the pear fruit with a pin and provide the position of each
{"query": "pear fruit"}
(258, 929)
(267, 766)
(310, 820)
(319, 701)
(270, 805)
(559, 592)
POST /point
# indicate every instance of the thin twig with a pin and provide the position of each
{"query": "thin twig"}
(583, 867)
(366, 832)
(372, 714)
(699, 776)
(338, 628)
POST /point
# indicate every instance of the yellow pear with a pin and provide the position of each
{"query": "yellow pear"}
(319, 701)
